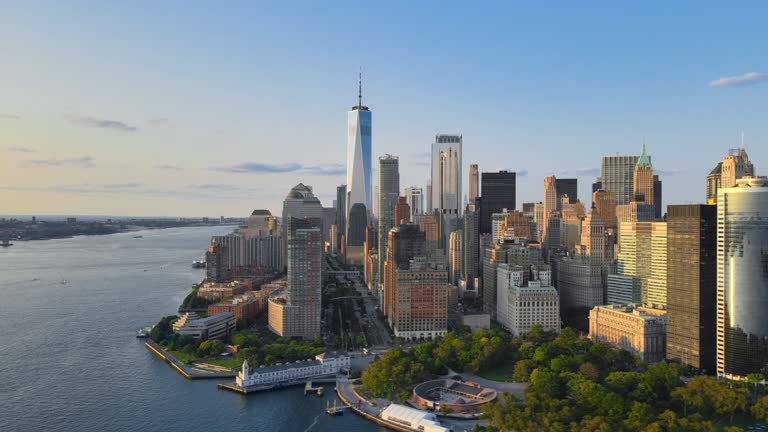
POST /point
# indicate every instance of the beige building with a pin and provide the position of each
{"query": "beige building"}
(639, 330)
(217, 326)
(642, 179)
(420, 309)
(635, 212)
(605, 204)
(522, 304)
(734, 166)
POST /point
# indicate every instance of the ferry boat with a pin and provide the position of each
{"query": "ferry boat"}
(198, 264)
(6, 243)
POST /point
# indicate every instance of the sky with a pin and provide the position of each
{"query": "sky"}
(208, 108)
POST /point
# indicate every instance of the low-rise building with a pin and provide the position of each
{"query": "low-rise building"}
(641, 331)
(476, 321)
(413, 419)
(245, 307)
(322, 365)
(217, 326)
(215, 291)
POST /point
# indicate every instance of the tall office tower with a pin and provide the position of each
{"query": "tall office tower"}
(216, 263)
(659, 208)
(402, 211)
(633, 264)
(428, 204)
(616, 175)
(538, 219)
(692, 279)
(550, 203)
(605, 204)
(341, 211)
(572, 215)
(713, 183)
(594, 239)
(389, 190)
(374, 210)
(642, 179)
(415, 200)
(420, 301)
(734, 166)
(299, 314)
(429, 225)
(553, 232)
(446, 186)
(300, 203)
(516, 224)
(359, 122)
(656, 296)
(497, 226)
(471, 249)
(455, 256)
(635, 212)
(261, 223)
(493, 256)
(406, 242)
(742, 277)
(567, 186)
(498, 192)
(449, 204)
(473, 183)
(355, 240)
(597, 185)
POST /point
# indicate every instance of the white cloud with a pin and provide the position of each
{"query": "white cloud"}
(748, 78)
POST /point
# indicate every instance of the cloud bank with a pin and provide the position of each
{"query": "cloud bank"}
(82, 162)
(268, 168)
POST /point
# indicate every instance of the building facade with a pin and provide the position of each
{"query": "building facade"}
(300, 371)
(522, 304)
(616, 175)
(498, 192)
(359, 154)
(639, 330)
(415, 199)
(389, 183)
(446, 174)
(217, 326)
(474, 175)
(567, 187)
(420, 309)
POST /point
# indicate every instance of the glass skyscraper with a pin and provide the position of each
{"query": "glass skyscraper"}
(742, 278)
(359, 123)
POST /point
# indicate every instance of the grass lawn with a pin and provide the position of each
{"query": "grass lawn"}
(182, 356)
(501, 373)
(227, 363)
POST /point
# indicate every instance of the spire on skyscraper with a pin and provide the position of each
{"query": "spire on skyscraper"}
(360, 88)
(643, 160)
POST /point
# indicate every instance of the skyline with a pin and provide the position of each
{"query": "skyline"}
(123, 110)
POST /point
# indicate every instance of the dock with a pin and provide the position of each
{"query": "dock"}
(309, 389)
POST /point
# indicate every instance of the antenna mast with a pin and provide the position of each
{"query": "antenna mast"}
(360, 88)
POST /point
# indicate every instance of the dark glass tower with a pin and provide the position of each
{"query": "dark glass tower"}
(692, 282)
(498, 193)
(567, 186)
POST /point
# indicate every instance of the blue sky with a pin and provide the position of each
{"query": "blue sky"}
(194, 108)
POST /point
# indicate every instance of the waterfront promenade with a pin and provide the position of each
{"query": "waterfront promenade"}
(186, 371)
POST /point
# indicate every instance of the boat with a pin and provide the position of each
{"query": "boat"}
(6, 243)
(198, 264)
(143, 333)
(138, 236)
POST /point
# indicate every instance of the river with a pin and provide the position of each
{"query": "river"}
(69, 359)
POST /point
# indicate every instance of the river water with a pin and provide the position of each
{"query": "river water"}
(69, 359)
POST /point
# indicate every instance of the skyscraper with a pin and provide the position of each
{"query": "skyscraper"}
(300, 203)
(405, 243)
(298, 313)
(567, 186)
(605, 204)
(355, 240)
(402, 211)
(446, 187)
(389, 183)
(550, 206)
(498, 192)
(449, 199)
(473, 183)
(742, 277)
(359, 122)
(471, 248)
(455, 256)
(415, 200)
(616, 175)
(341, 211)
(642, 179)
(734, 166)
(692, 282)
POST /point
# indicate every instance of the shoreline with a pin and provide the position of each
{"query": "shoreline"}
(181, 368)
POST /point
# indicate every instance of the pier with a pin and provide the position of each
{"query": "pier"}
(309, 389)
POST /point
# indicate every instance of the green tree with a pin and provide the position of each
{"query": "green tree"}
(522, 371)
(760, 409)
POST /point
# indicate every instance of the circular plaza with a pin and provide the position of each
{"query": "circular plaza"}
(452, 396)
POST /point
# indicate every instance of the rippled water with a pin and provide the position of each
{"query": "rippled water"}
(69, 359)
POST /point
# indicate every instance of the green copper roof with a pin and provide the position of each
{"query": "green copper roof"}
(644, 160)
